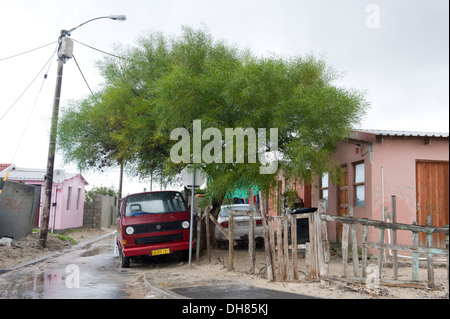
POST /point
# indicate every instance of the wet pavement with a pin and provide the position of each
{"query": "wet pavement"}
(89, 273)
(241, 291)
(93, 272)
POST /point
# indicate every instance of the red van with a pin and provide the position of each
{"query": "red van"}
(152, 224)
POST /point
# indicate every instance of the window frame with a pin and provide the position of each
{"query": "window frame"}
(322, 188)
(359, 184)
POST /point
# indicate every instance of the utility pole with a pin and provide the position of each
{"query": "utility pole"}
(65, 50)
(52, 146)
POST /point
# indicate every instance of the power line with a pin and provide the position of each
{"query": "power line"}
(104, 52)
(34, 106)
(26, 89)
(15, 55)
(82, 73)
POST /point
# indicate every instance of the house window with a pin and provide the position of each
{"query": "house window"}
(324, 188)
(69, 194)
(359, 185)
(78, 198)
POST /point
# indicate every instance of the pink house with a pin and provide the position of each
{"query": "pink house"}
(68, 195)
(376, 164)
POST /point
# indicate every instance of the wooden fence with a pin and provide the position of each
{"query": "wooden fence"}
(281, 257)
(349, 224)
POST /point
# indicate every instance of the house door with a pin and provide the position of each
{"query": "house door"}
(432, 197)
(342, 199)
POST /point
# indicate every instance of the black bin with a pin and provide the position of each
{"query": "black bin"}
(302, 224)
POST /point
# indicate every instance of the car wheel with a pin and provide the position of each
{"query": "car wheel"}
(124, 261)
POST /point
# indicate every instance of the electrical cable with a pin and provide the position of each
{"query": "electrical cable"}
(82, 73)
(104, 52)
(26, 89)
(34, 105)
(15, 55)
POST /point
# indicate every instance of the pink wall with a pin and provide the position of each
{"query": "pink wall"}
(70, 215)
(64, 218)
(396, 158)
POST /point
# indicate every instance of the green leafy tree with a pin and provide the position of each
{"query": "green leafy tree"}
(166, 83)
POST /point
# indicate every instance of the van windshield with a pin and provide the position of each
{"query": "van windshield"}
(154, 203)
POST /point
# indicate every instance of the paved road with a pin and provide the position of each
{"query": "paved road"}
(92, 272)
(89, 272)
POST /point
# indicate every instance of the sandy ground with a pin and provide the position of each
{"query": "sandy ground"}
(170, 273)
(202, 273)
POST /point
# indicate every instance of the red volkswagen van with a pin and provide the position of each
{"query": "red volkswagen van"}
(151, 224)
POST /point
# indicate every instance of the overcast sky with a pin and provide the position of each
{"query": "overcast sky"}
(395, 50)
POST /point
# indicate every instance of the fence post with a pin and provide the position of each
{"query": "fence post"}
(430, 271)
(231, 241)
(208, 233)
(251, 233)
(285, 247)
(354, 246)
(394, 237)
(294, 246)
(345, 229)
(199, 234)
(312, 248)
(267, 240)
(448, 256)
(280, 250)
(415, 255)
(364, 251)
(271, 236)
(380, 250)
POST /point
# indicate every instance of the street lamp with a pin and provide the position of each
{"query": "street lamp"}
(64, 53)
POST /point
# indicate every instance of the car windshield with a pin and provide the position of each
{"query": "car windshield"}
(224, 210)
(154, 203)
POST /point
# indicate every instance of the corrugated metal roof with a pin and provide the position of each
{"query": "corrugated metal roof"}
(403, 133)
(32, 174)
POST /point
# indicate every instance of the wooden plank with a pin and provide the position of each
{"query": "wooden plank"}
(380, 254)
(364, 251)
(313, 249)
(381, 224)
(267, 240)
(308, 260)
(211, 217)
(345, 229)
(272, 246)
(251, 244)
(320, 241)
(294, 247)
(415, 256)
(199, 234)
(355, 257)
(251, 234)
(430, 271)
(414, 249)
(382, 281)
(447, 245)
(208, 233)
(285, 247)
(230, 242)
(279, 250)
(394, 237)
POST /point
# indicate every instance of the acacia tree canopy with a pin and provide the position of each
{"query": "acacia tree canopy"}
(166, 83)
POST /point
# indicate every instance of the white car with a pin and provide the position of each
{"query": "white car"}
(241, 224)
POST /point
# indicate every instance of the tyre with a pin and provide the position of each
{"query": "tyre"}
(124, 261)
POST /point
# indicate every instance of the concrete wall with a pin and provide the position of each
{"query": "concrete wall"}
(19, 204)
(100, 213)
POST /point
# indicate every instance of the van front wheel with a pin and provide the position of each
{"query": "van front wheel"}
(124, 261)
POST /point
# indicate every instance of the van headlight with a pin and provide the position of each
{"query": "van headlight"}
(185, 224)
(129, 230)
